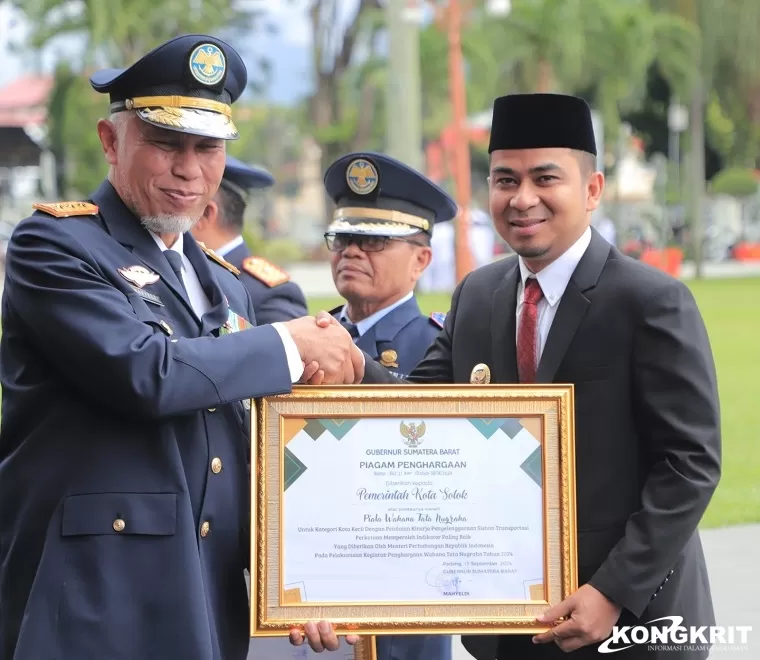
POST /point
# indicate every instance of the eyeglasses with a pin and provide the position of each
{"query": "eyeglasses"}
(339, 242)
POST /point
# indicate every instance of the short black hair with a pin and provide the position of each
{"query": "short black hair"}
(231, 209)
(586, 161)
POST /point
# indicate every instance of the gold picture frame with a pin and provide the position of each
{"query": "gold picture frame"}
(545, 412)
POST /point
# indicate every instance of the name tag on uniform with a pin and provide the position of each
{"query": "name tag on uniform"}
(147, 296)
(234, 323)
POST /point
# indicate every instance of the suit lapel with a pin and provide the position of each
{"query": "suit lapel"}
(122, 224)
(573, 307)
(503, 328)
(217, 315)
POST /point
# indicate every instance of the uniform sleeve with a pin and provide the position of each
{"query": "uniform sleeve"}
(675, 391)
(91, 336)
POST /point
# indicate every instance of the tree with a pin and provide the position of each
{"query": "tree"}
(341, 117)
(118, 33)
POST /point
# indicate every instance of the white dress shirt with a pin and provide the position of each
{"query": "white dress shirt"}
(364, 325)
(201, 304)
(553, 281)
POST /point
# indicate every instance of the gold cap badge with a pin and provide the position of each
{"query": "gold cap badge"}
(388, 358)
(207, 64)
(481, 375)
(361, 176)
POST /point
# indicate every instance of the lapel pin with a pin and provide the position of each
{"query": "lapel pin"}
(139, 276)
(481, 375)
(166, 327)
(388, 358)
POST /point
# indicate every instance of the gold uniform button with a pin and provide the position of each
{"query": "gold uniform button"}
(119, 525)
(205, 529)
(216, 465)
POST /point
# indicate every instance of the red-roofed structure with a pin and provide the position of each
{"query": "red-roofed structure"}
(25, 100)
(23, 106)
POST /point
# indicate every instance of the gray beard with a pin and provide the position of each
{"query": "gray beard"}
(168, 224)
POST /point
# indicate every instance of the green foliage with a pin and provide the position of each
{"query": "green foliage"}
(719, 127)
(74, 111)
(119, 33)
(281, 251)
(735, 181)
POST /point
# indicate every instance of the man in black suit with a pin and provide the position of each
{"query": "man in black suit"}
(570, 308)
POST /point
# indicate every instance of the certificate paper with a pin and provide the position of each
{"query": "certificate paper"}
(437, 509)
(389, 510)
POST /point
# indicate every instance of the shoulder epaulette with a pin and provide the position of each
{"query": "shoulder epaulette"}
(215, 257)
(438, 318)
(67, 209)
(265, 271)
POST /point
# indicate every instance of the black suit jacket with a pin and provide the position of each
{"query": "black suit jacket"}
(648, 445)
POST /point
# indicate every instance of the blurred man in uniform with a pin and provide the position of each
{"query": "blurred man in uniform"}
(380, 245)
(127, 350)
(570, 308)
(482, 237)
(440, 275)
(275, 297)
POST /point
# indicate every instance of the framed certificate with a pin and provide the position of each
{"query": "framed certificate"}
(437, 509)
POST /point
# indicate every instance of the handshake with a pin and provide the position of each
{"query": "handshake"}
(327, 351)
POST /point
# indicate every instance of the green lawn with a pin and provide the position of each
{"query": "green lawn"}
(731, 308)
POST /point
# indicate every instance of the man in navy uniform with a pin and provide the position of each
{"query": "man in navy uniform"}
(275, 297)
(126, 352)
(380, 245)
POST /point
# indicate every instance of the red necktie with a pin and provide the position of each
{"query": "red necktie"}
(527, 335)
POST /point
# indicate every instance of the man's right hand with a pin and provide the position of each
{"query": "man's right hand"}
(330, 347)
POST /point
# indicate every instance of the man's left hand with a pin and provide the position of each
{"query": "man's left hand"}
(589, 618)
(321, 637)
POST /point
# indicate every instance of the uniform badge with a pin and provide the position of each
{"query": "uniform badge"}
(234, 323)
(388, 358)
(361, 176)
(215, 257)
(166, 327)
(438, 318)
(67, 209)
(139, 276)
(207, 64)
(480, 375)
(147, 296)
(265, 271)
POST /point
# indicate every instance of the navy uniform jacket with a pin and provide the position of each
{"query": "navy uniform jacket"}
(122, 434)
(398, 341)
(279, 300)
